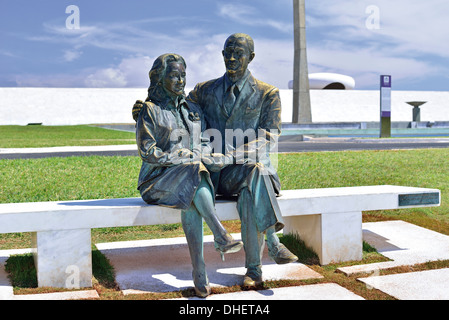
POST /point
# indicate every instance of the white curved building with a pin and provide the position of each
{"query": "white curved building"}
(324, 81)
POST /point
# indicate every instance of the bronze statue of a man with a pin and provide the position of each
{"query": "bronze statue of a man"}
(237, 102)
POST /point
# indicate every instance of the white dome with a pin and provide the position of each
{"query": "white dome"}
(328, 81)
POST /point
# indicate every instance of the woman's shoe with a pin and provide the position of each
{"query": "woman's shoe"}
(229, 245)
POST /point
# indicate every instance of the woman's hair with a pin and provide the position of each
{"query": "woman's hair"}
(157, 73)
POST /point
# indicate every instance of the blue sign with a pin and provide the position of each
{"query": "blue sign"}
(385, 81)
(385, 96)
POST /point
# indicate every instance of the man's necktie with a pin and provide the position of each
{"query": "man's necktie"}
(230, 98)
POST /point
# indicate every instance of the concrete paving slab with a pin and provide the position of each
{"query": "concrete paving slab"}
(164, 265)
(422, 285)
(404, 243)
(324, 291)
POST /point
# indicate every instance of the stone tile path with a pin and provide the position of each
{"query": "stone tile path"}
(164, 265)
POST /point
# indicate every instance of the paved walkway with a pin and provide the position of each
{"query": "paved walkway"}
(164, 265)
(286, 144)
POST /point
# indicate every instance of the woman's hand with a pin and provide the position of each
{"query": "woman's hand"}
(217, 161)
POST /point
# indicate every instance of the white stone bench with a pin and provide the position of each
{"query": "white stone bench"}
(328, 220)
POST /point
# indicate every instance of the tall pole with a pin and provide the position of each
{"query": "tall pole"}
(301, 96)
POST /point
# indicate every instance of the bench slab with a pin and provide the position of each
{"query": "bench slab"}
(81, 214)
(329, 220)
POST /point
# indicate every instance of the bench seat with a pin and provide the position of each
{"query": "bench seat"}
(329, 220)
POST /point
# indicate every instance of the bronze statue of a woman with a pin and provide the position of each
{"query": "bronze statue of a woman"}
(173, 171)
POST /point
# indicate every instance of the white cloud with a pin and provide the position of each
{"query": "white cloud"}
(109, 78)
(248, 15)
(366, 64)
(406, 26)
(139, 46)
(130, 72)
(53, 80)
(71, 55)
(204, 59)
(273, 62)
(235, 11)
(136, 37)
(7, 53)
(410, 34)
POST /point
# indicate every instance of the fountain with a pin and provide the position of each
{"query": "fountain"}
(416, 109)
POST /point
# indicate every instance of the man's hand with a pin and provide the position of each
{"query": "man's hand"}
(180, 156)
(136, 109)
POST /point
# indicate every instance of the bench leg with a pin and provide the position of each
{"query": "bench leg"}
(335, 237)
(63, 258)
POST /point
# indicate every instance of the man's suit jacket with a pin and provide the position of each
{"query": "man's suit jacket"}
(257, 109)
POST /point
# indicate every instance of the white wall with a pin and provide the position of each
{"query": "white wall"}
(69, 106)
(361, 105)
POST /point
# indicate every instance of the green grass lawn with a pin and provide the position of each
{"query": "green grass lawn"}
(426, 168)
(76, 178)
(36, 136)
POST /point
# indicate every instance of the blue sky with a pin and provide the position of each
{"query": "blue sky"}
(118, 40)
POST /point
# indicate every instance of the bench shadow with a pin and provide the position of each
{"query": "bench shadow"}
(379, 242)
(134, 270)
(125, 202)
(168, 268)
